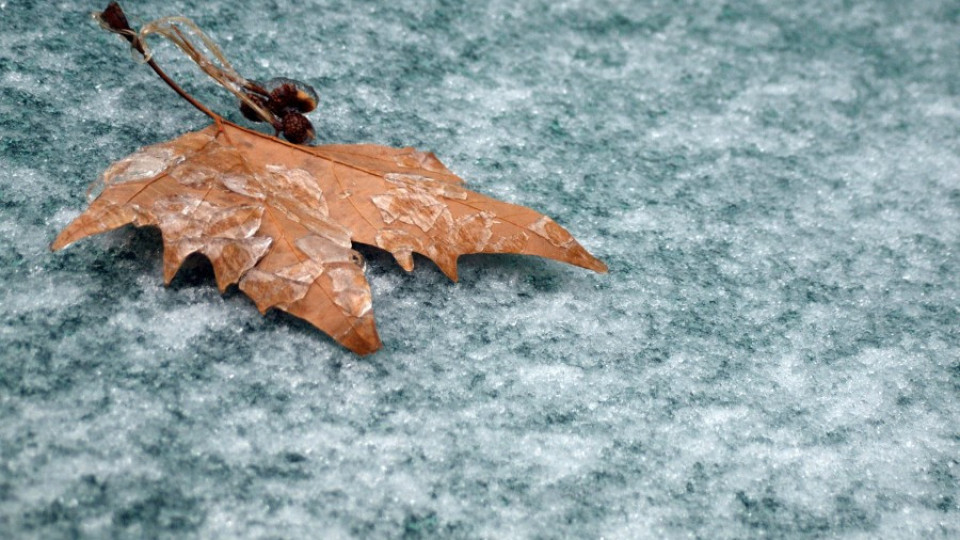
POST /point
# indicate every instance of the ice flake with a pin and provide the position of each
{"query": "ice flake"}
(301, 186)
(351, 293)
(425, 184)
(413, 207)
(243, 184)
(145, 164)
(553, 233)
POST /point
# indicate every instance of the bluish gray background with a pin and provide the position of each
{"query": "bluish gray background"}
(774, 353)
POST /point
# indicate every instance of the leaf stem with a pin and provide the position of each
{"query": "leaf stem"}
(176, 88)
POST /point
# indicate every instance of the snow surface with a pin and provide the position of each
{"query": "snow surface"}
(774, 353)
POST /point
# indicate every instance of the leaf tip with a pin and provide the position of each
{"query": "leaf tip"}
(579, 256)
(222, 284)
(171, 264)
(367, 345)
(404, 259)
(598, 266)
(76, 230)
(59, 243)
(448, 265)
(360, 336)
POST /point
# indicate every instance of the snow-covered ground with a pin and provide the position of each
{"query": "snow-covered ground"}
(774, 353)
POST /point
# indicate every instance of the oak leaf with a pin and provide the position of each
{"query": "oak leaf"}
(279, 219)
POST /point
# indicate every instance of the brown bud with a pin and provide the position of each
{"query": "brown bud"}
(296, 128)
(115, 20)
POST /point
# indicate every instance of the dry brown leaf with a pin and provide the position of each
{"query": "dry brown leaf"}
(280, 219)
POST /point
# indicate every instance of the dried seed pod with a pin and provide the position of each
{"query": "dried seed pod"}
(297, 128)
(289, 94)
(248, 111)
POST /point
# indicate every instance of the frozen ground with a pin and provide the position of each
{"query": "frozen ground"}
(774, 353)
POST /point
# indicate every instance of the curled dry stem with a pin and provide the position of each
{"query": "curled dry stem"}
(114, 20)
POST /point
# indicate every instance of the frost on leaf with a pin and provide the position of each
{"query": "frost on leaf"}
(279, 220)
